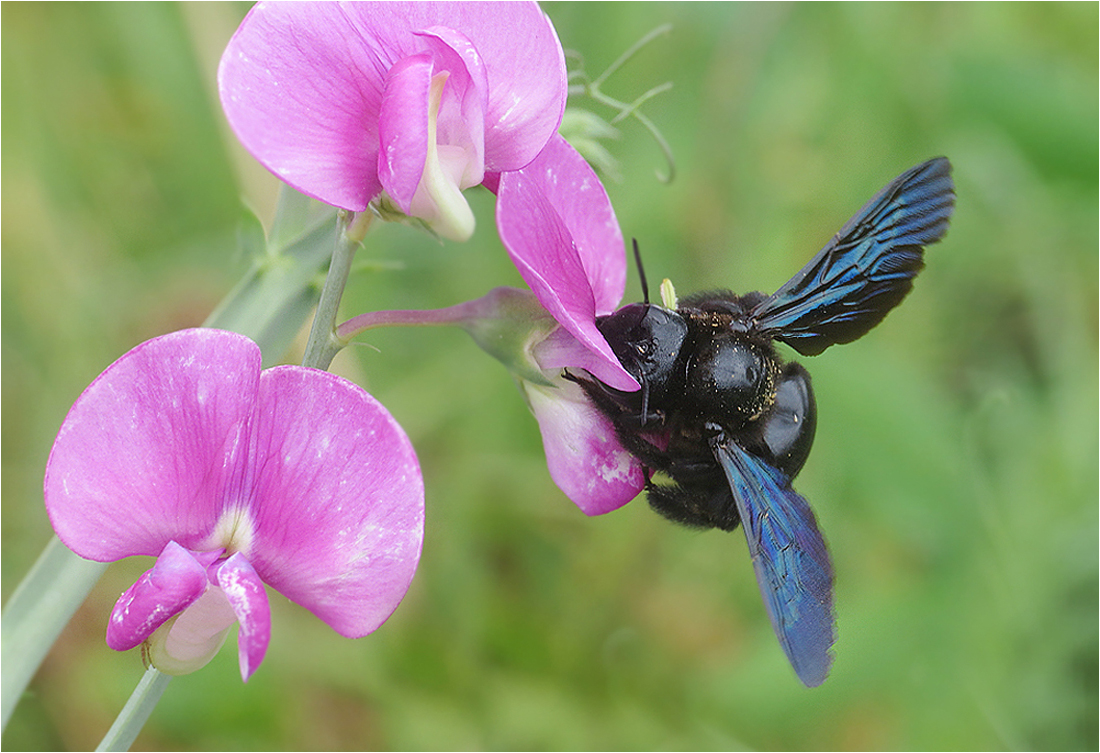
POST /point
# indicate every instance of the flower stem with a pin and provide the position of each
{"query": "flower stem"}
(323, 343)
(457, 314)
(504, 323)
(134, 714)
(37, 612)
(279, 292)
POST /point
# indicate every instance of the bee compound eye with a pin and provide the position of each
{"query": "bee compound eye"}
(788, 429)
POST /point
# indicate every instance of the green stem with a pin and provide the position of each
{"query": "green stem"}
(279, 291)
(37, 612)
(323, 343)
(134, 714)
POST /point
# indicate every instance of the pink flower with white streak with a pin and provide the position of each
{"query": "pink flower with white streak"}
(556, 221)
(233, 478)
(420, 100)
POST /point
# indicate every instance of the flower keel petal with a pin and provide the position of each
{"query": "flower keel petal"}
(461, 122)
(438, 199)
(188, 641)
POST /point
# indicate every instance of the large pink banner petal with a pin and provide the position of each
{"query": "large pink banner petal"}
(339, 502)
(147, 451)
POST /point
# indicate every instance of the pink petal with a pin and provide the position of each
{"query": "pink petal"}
(559, 228)
(302, 89)
(527, 79)
(145, 453)
(492, 182)
(577, 195)
(403, 128)
(245, 592)
(584, 456)
(339, 509)
(174, 582)
(561, 350)
(302, 83)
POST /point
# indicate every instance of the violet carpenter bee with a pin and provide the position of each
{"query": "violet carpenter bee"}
(728, 424)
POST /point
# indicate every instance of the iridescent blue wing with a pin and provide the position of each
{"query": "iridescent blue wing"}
(866, 269)
(789, 556)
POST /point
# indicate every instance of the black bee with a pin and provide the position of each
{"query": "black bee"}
(730, 424)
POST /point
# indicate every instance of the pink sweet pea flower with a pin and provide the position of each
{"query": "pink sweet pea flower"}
(557, 223)
(346, 100)
(235, 478)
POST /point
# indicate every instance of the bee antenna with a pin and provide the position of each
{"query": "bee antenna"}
(641, 271)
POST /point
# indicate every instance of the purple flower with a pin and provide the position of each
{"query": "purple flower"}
(558, 225)
(235, 478)
(346, 100)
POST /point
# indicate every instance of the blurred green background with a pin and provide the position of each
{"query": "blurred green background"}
(954, 472)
